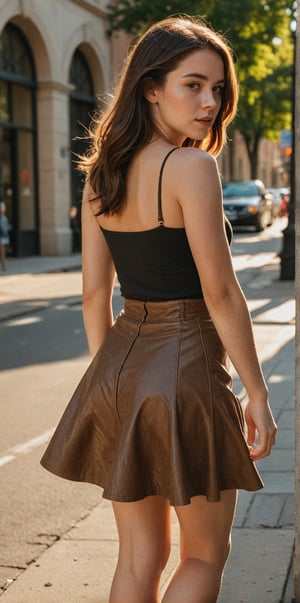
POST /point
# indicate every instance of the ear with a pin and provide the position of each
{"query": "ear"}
(149, 91)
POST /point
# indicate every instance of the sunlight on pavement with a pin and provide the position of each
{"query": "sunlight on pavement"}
(18, 322)
(283, 313)
(276, 379)
(255, 304)
(272, 347)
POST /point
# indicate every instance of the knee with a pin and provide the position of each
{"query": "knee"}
(149, 558)
(213, 554)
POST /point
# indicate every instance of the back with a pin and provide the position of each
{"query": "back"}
(153, 264)
(139, 210)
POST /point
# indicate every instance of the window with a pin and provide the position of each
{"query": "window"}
(15, 55)
(18, 140)
(81, 78)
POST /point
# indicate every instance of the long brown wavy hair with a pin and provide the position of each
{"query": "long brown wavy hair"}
(126, 125)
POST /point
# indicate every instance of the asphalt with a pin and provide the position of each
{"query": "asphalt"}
(79, 566)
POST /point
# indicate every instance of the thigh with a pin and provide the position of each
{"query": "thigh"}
(144, 531)
(205, 527)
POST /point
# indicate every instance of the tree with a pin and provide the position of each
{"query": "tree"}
(260, 35)
(134, 16)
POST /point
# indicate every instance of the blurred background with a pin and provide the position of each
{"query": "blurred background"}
(58, 60)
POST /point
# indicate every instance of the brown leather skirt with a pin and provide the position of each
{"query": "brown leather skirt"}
(154, 413)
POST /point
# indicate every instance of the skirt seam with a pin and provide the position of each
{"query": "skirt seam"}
(139, 326)
(176, 381)
(212, 445)
(206, 361)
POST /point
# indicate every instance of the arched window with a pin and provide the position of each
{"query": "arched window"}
(18, 140)
(82, 105)
(81, 78)
(15, 54)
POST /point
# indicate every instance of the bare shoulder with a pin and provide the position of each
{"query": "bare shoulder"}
(191, 158)
(195, 175)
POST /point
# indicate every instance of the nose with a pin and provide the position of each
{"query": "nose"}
(208, 98)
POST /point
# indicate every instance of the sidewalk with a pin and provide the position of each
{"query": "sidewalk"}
(79, 566)
(31, 284)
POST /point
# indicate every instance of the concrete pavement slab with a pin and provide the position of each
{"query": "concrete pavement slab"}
(283, 458)
(285, 438)
(257, 567)
(278, 482)
(70, 572)
(80, 566)
(270, 511)
(39, 264)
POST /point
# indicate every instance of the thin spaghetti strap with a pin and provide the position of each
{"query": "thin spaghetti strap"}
(159, 210)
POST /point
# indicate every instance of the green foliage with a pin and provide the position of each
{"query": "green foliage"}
(259, 32)
(134, 16)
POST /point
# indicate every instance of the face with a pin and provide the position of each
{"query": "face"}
(188, 102)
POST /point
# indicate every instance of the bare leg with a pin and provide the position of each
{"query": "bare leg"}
(144, 534)
(205, 530)
(2, 256)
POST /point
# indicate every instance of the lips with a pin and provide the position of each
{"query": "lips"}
(207, 121)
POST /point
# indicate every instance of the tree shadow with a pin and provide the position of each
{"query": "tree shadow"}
(54, 332)
(278, 370)
(269, 240)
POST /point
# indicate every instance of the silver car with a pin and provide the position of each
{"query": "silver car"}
(248, 203)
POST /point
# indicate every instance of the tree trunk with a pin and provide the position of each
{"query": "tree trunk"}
(231, 152)
(252, 151)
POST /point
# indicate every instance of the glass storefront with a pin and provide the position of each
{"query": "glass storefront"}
(18, 180)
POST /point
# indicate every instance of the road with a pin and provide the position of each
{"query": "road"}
(43, 355)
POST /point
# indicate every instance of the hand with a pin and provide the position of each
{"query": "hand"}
(259, 418)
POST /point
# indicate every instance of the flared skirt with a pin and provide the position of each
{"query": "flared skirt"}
(154, 413)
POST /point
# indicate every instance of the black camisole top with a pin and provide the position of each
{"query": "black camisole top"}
(155, 264)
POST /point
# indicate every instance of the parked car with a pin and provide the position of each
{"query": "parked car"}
(248, 203)
(281, 197)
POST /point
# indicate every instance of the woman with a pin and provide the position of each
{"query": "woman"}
(4, 234)
(154, 420)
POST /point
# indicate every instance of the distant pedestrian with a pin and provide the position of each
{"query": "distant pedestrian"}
(75, 225)
(4, 234)
(154, 420)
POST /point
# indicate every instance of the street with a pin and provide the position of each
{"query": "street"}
(43, 355)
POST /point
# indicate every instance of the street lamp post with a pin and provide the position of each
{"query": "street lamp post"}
(287, 255)
(296, 124)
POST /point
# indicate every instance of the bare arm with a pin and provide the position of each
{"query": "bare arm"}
(200, 198)
(97, 277)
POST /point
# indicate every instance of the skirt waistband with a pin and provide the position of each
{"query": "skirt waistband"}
(165, 311)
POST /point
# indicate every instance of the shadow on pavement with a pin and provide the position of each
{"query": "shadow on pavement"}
(52, 334)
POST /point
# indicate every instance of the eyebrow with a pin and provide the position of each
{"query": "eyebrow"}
(200, 76)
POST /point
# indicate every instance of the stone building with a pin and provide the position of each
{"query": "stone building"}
(56, 59)
(271, 164)
(272, 169)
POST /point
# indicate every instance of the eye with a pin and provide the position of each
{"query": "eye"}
(218, 89)
(193, 85)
